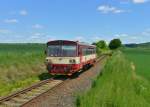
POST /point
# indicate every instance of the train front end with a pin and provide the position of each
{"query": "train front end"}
(62, 57)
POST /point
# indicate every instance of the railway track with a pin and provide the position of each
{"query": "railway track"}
(26, 95)
(22, 97)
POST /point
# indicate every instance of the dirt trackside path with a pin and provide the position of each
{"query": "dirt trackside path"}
(64, 95)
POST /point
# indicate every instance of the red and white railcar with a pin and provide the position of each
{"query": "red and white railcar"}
(67, 57)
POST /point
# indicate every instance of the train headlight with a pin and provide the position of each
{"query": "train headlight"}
(46, 61)
(73, 61)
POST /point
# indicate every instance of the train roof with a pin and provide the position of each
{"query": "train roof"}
(84, 43)
(77, 42)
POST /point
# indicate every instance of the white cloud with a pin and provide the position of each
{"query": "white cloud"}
(133, 1)
(96, 38)
(121, 35)
(146, 32)
(139, 1)
(37, 26)
(109, 9)
(126, 36)
(23, 12)
(4, 31)
(50, 38)
(124, 1)
(11, 21)
(37, 35)
(79, 38)
(134, 37)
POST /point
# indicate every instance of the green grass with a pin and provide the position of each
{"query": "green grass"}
(119, 86)
(20, 66)
(141, 59)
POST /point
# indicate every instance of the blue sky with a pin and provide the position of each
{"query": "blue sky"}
(84, 20)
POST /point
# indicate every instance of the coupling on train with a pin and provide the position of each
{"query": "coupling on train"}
(64, 57)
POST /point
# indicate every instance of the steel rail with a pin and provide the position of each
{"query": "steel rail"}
(9, 100)
(24, 90)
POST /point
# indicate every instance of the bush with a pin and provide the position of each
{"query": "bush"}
(114, 44)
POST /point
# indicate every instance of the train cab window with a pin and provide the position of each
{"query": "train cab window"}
(54, 50)
(61, 50)
(68, 50)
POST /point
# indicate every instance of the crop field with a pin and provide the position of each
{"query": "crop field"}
(120, 85)
(20, 65)
(141, 59)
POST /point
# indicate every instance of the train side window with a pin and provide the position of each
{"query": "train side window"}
(83, 51)
(80, 51)
(87, 51)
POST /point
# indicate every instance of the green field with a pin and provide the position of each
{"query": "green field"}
(119, 85)
(141, 59)
(20, 66)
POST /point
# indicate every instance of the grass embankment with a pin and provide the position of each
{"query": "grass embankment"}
(119, 86)
(20, 66)
(141, 58)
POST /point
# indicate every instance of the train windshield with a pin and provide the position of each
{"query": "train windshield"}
(62, 50)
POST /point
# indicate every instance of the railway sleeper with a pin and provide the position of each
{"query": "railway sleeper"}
(42, 88)
(11, 104)
(20, 100)
(36, 90)
(28, 96)
(33, 93)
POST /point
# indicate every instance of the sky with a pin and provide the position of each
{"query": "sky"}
(39, 21)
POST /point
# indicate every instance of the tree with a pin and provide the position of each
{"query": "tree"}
(115, 43)
(101, 44)
(94, 43)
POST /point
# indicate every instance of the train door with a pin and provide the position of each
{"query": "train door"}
(80, 54)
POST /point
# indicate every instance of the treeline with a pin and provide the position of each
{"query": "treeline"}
(102, 46)
(134, 45)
